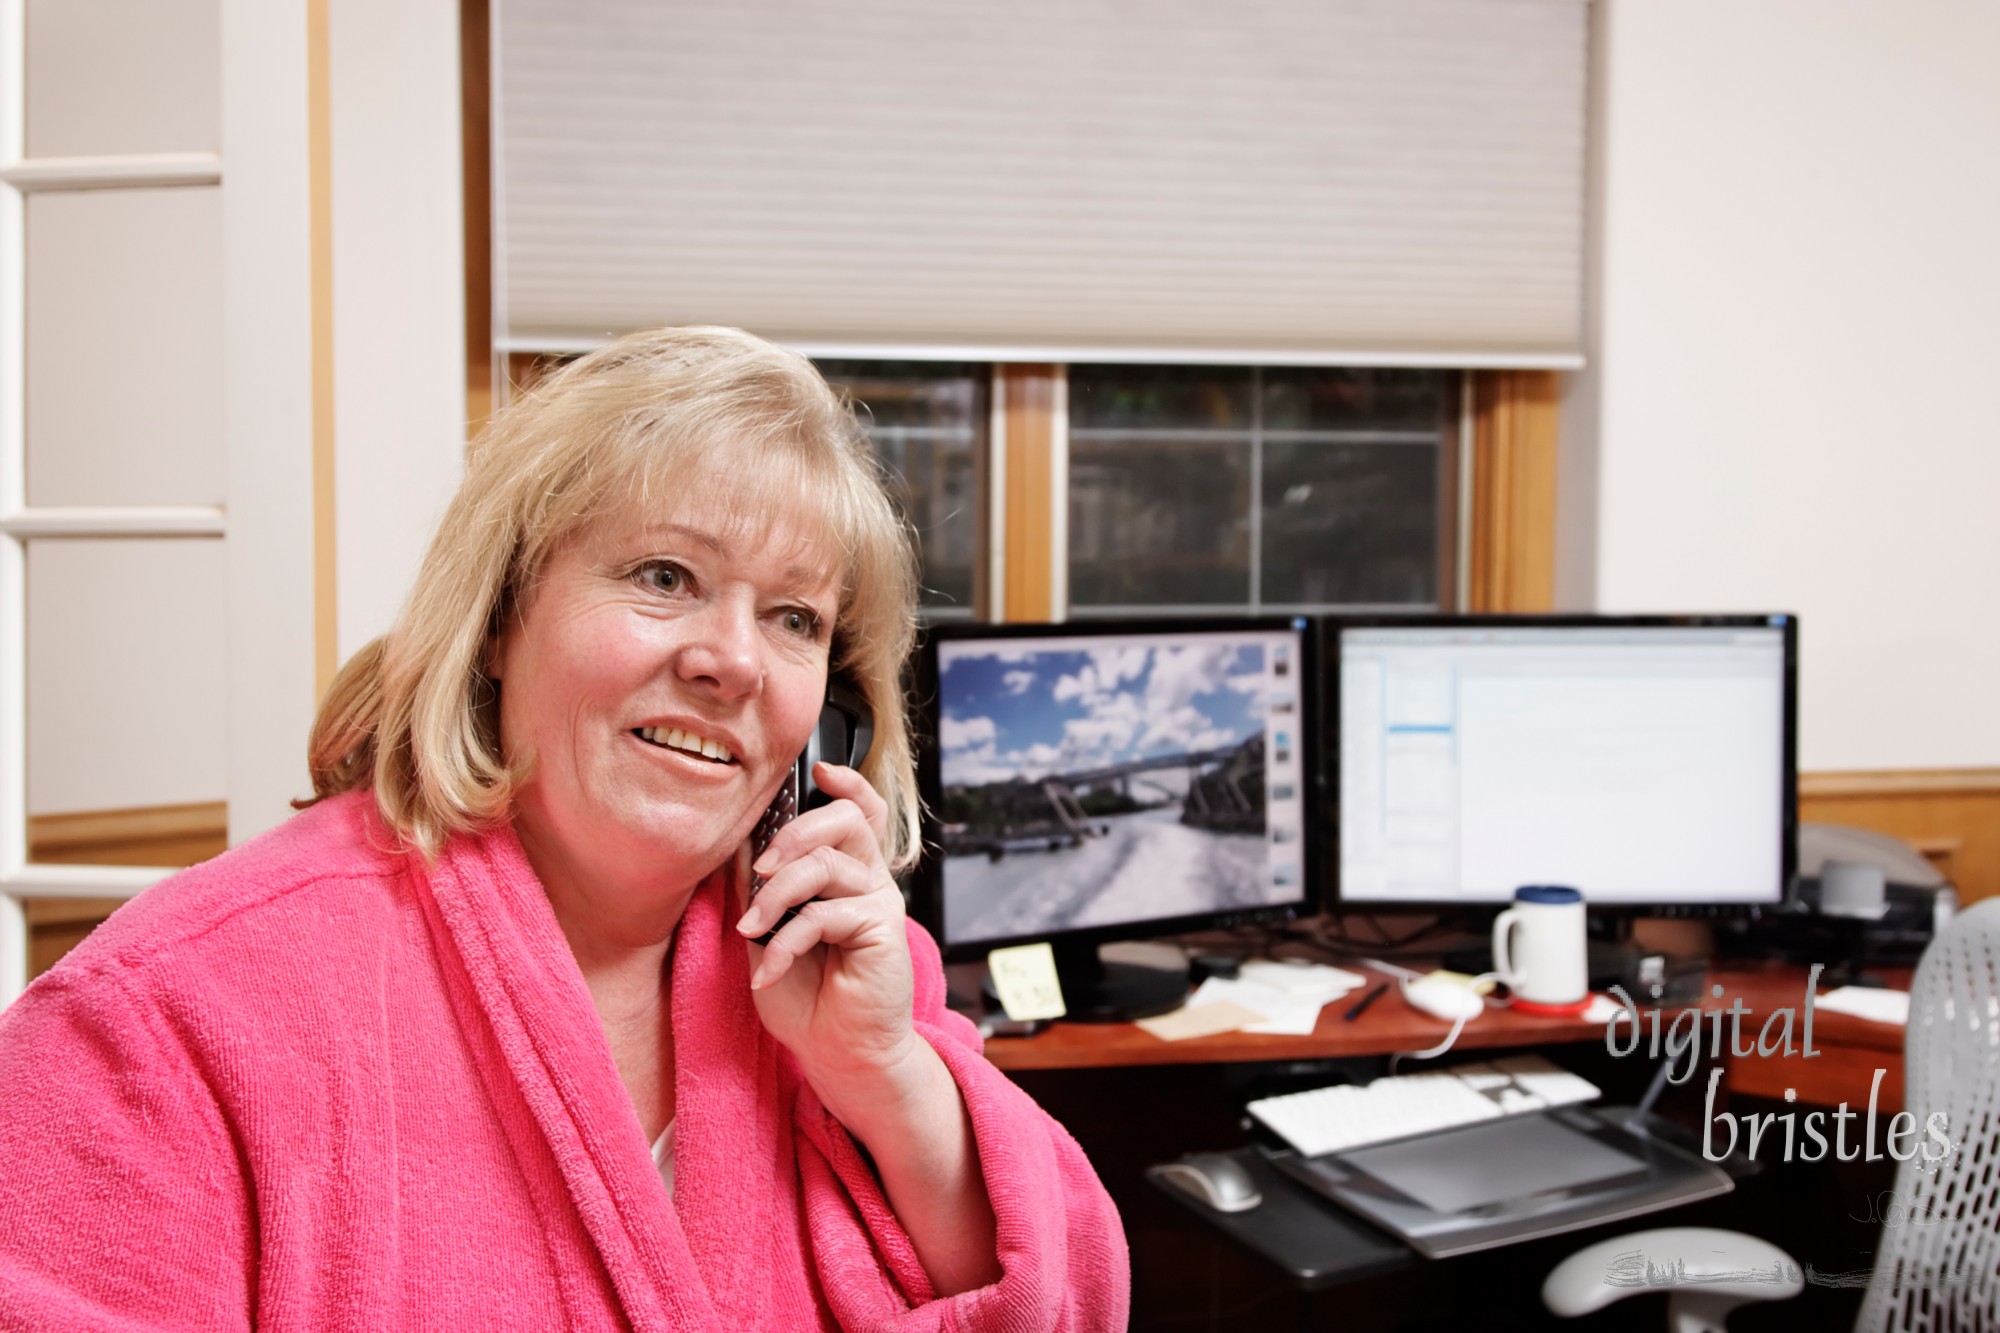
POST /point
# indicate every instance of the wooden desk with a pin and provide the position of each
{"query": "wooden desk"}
(1389, 1025)
(1851, 1049)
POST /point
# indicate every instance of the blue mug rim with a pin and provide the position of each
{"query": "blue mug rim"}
(1547, 893)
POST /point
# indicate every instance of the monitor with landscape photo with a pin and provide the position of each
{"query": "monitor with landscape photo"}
(1115, 779)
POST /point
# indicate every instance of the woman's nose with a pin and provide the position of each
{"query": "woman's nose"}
(723, 650)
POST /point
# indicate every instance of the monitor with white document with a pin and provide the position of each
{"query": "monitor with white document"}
(1647, 761)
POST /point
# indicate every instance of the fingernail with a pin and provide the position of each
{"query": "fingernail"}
(766, 863)
(746, 924)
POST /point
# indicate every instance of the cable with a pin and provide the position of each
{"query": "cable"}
(1329, 931)
(1457, 1026)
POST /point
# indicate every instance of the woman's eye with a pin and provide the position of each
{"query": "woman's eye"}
(663, 576)
(801, 622)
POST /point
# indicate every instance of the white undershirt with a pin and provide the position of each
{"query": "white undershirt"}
(663, 1156)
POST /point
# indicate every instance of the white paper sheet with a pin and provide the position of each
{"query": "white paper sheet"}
(1282, 1012)
(1869, 1002)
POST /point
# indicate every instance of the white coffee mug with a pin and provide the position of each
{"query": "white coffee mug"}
(1539, 950)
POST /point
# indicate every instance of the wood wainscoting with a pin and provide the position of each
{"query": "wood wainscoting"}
(159, 835)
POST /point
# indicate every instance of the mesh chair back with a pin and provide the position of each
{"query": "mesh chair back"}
(1941, 1270)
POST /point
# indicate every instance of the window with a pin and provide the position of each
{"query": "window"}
(928, 423)
(1190, 488)
(1260, 488)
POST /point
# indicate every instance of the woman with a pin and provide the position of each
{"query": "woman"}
(399, 1062)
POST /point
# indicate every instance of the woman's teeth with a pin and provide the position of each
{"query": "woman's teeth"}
(687, 742)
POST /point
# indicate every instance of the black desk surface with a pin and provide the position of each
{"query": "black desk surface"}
(1315, 1241)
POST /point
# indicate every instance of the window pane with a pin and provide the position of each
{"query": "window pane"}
(927, 421)
(1345, 398)
(124, 313)
(126, 685)
(1154, 397)
(123, 76)
(1156, 521)
(1350, 523)
(1351, 462)
(1330, 479)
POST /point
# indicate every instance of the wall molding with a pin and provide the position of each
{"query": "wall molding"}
(116, 521)
(114, 172)
(1901, 782)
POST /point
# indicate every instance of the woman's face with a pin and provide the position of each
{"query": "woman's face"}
(664, 673)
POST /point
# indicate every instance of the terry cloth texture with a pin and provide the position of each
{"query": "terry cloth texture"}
(312, 1085)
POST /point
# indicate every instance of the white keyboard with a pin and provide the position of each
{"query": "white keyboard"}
(1349, 1116)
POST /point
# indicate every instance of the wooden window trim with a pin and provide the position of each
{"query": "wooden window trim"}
(1028, 395)
(1512, 565)
(475, 118)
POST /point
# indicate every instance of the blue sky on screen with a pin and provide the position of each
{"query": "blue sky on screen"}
(1020, 711)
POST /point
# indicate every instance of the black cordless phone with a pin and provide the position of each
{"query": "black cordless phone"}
(846, 726)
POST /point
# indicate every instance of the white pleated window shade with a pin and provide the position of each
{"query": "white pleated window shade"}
(1294, 180)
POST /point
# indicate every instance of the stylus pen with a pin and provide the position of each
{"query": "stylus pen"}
(1361, 1005)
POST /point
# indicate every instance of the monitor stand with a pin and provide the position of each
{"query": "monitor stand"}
(1096, 991)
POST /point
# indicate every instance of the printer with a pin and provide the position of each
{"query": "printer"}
(1919, 902)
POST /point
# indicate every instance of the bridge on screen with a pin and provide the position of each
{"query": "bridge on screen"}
(1047, 813)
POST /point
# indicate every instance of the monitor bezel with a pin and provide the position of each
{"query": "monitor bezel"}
(927, 880)
(1336, 897)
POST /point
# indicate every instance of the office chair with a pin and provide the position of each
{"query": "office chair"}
(1941, 1275)
(1707, 1271)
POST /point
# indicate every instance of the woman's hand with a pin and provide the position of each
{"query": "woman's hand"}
(834, 984)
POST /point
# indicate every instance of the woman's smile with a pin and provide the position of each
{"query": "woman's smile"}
(685, 742)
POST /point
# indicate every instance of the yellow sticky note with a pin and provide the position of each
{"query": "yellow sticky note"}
(1024, 977)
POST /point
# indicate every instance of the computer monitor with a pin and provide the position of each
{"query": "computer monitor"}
(1647, 761)
(1088, 782)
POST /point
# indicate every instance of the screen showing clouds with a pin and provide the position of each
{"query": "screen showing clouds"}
(1018, 712)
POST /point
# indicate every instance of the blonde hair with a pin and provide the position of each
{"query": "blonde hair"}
(414, 715)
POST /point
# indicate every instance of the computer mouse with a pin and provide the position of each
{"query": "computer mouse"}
(1443, 999)
(1216, 1178)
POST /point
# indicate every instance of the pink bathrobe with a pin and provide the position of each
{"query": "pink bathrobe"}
(310, 1085)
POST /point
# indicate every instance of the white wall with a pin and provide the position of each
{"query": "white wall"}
(398, 296)
(1790, 402)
